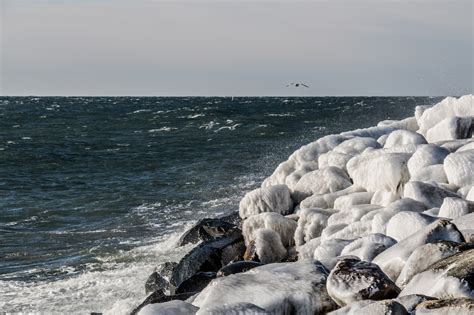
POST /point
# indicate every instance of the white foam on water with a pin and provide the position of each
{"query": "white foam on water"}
(117, 288)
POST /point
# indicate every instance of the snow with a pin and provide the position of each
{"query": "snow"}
(269, 199)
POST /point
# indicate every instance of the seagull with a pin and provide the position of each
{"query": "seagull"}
(297, 85)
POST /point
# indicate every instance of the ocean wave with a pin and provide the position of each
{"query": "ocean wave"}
(115, 289)
(228, 127)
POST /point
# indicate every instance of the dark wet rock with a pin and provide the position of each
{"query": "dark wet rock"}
(251, 252)
(236, 267)
(205, 230)
(352, 280)
(159, 280)
(196, 283)
(208, 256)
(460, 306)
(232, 218)
(411, 301)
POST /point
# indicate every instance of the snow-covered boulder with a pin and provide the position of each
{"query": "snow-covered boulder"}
(235, 309)
(330, 248)
(348, 232)
(410, 302)
(269, 199)
(393, 259)
(379, 171)
(367, 247)
(352, 280)
(459, 168)
(298, 286)
(384, 198)
(306, 250)
(322, 181)
(283, 226)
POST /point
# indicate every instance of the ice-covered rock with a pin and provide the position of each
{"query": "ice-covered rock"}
(349, 232)
(330, 248)
(285, 227)
(333, 158)
(465, 224)
(280, 174)
(298, 286)
(353, 280)
(381, 218)
(410, 302)
(235, 309)
(430, 195)
(310, 224)
(367, 247)
(382, 171)
(455, 207)
(347, 201)
(384, 198)
(351, 215)
(468, 146)
(370, 307)
(426, 155)
(470, 194)
(322, 181)
(460, 306)
(266, 247)
(454, 145)
(459, 168)
(451, 277)
(426, 255)
(451, 128)
(393, 259)
(307, 249)
(449, 107)
(327, 200)
(356, 145)
(409, 124)
(175, 307)
(269, 199)
(404, 137)
(432, 173)
(405, 223)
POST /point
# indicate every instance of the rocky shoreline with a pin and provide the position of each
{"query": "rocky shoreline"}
(371, 221)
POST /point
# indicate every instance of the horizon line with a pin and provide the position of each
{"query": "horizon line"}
(231, 96)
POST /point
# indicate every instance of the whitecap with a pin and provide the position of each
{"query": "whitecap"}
(140, 111)
(281, 115)
(167, 129)
(195, 116)
(228, 127)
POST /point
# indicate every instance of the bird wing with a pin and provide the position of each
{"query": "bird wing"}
(304, 85)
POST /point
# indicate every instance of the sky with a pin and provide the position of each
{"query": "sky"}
(241, 48)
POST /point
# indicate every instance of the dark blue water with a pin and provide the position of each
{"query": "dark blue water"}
(85, 179)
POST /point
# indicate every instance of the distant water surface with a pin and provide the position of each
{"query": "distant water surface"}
(95, 190)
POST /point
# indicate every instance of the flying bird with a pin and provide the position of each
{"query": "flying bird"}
(297, 84)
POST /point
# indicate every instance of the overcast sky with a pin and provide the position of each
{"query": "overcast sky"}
(230, 47)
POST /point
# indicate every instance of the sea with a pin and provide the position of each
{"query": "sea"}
(95, 191)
